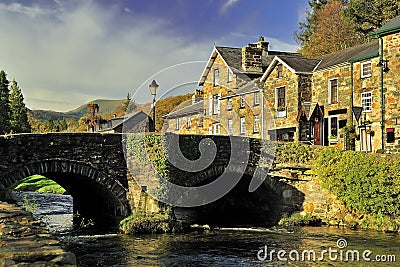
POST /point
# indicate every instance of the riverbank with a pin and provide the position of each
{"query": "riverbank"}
(23, 240)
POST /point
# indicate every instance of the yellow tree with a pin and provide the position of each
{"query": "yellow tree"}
(333, 32)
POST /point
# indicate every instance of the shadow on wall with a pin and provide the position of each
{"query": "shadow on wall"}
(263, 207)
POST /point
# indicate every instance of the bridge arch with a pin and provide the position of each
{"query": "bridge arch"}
(263, 207)
(96, 195)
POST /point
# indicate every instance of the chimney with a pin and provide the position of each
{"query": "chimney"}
(263, 45)
(252, 55)
(197, 96)
(115, 115)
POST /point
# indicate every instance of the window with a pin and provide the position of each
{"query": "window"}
(216, 104)
(230, 76)
(216, 77)
(366, 69)
(229, 105)
(242, 101)
(366, 101)
(230, 126)
(280, 97)
(279, 69)
(242, 125)
(333, 91)
(189, 122)
(256, 123)
(216, 128)
(333, 127)
(210, 105)
(177, 124)
(256, 98)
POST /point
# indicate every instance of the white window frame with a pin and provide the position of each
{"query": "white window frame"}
(230, 75)
(177, 124)
(257, 123)
(229, 104)
(216, 128)
(216, 77)
(366, 101)
(363, 75)
(242, 125)
(216, 104)
(330, 126)
(256, 98)
(210, 105)
(330, 90)
(277, 96)
(230, 127)
(242, 101)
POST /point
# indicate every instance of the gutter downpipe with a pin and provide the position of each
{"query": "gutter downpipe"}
(352, 91)
(382, 97)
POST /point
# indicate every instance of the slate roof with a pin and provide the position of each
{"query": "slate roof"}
(350, 54)
(300, 63)
(116, 122)
(392, 25)
(196, 108)
(233, 57)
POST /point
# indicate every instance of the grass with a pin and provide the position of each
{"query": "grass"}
(141, 223)
(40, 184)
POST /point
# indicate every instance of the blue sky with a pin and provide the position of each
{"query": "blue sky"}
(66, 52)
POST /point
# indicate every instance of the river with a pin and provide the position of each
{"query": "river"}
(297, 246)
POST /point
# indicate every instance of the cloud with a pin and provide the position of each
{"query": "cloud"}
(66, 53)
(32, 11)
(228, 4)
(127, 10)
(83, 52)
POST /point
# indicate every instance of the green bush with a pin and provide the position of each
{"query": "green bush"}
(294, 153)
(365, 183)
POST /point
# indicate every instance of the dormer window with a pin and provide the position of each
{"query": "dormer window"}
(216, 77)
(366, 69)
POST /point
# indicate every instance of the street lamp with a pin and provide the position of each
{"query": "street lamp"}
(153, 90)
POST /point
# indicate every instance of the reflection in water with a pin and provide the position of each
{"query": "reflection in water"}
(223, 247)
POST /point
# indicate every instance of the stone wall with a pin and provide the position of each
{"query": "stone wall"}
(391, 52)
(290, 81)
(26, 242)
(317, 202)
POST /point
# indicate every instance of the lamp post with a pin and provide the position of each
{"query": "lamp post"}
(153, 90)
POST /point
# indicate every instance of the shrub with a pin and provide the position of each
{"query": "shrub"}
(365, 183)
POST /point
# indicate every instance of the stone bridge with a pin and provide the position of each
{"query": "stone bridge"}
(92, 168)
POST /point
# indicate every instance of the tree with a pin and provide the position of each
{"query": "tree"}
(18, 112)
(333, 32)
(369, 15)
(307, 28)
(4, 103)
(127, 104)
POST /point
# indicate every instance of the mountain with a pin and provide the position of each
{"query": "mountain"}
(106, 107)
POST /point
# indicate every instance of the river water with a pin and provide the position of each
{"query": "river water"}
(223, 247)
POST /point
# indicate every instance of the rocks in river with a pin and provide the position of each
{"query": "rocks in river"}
(26, 242)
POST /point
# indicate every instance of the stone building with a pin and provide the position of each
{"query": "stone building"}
(284, 96)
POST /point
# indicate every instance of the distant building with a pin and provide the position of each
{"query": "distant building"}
(132, 123)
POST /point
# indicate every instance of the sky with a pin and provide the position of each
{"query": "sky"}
(64, 53)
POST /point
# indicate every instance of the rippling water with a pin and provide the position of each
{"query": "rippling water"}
(224, 247)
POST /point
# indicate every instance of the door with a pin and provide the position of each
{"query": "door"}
(317, 133)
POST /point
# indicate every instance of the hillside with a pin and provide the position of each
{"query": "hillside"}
(106, 107)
